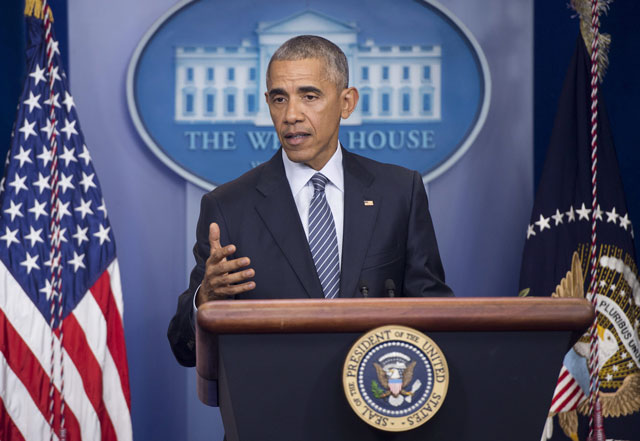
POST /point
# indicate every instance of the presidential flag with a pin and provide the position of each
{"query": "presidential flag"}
(556, 263)
(63, 364)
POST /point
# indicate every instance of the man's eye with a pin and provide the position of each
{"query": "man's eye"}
(278, 99)
(310, 97)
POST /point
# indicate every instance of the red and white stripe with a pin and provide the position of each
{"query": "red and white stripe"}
(97, 396)
(568, 393)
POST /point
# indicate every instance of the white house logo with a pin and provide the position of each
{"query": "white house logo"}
(196, 83)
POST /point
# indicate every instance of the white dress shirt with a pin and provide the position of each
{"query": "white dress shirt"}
(299, 177)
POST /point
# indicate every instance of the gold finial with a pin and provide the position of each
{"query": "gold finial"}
(583, 8)
(33, 8)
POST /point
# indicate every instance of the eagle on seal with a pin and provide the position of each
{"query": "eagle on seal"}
(392, 381)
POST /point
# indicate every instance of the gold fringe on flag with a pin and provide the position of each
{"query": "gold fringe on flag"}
(33, 8)
(583, 8)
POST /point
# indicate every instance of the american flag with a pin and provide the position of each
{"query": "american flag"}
(63, 364)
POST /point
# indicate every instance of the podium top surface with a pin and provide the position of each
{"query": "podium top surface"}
(429, 314)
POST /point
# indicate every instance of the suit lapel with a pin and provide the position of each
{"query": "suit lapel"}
(279, 213)
(359, 220)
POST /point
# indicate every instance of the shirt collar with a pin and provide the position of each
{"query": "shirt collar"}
(299, 174)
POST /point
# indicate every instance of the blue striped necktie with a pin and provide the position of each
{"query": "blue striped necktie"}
(323, 240)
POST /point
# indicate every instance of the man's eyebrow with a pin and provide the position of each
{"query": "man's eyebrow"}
(309, 89)
(276, 91)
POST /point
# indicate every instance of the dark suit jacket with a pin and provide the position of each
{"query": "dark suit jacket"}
(391, 239)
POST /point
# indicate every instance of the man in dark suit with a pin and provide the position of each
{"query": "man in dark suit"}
(316, 220)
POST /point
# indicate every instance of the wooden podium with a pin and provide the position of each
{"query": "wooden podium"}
(275, 366)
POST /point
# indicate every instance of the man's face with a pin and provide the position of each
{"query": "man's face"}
(306, 107)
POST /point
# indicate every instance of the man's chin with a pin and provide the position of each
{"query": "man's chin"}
(296, 155)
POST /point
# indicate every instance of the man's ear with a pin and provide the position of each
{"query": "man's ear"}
(348, 101)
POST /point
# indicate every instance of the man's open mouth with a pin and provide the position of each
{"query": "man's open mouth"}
(296, 136)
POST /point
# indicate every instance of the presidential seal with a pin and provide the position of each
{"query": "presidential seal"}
(395, 378)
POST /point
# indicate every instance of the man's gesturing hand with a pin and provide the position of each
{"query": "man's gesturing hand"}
(222, 277)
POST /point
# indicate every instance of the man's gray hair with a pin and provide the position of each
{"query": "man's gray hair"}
(304, 47)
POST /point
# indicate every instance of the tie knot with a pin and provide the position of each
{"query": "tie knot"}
(319, 181)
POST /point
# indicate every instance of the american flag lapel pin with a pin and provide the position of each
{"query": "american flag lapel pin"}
(368, 203)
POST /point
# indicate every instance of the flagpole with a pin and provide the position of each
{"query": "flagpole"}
(54, 227)
(596, 429)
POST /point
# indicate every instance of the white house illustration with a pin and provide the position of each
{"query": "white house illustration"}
(226, 84)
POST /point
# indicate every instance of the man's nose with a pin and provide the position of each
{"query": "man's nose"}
(293, 112)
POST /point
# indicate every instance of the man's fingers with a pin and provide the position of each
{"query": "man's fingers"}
(228, 266)
(222, 292)
(233, 278)
(217, 291)
(214, 237)
(224, 277)
(232, 290)
(220, 254)
(215, 277)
